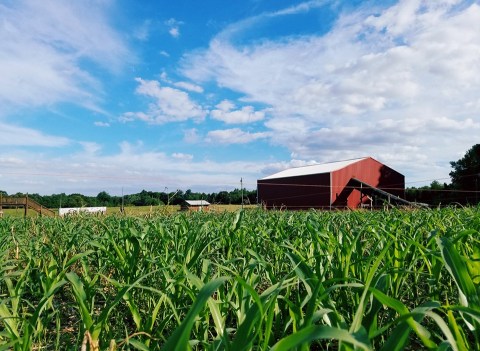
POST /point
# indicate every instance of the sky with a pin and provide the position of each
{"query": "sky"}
(125, 95)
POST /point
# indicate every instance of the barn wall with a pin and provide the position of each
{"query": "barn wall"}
(371, 172)
(295, 193)
(194, 208)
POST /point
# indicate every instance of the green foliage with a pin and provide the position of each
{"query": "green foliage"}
(252, 280)
(466, 170)
(434, 194)
(143, 198)
(466, 175)
(464, 188)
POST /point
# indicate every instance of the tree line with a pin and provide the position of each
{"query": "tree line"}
(463, 189)
(143, 198)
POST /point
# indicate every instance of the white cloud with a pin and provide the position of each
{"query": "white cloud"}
(302, 7)
(143, 31)
(191, 136)
(20, 136)
(173, 27)
(182, 85)
(225, 106)
(182, 156)
(101, 124)
(44, 46)
(174, 32)
(189, 86)
(90, 148)
(131, 169)
(233, 136)
(404, 78)
(246, 114)
(11, 161)
(170, 105)
(274, 167)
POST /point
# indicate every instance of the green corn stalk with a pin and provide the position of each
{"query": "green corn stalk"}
(92, 325)
(294, 274)
(179, 340)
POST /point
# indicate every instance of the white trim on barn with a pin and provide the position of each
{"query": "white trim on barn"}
(313, 169)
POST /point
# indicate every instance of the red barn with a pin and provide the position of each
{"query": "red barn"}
(351, 183)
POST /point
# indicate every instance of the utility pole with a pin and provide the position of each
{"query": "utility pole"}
(121, 207)
(26, 205)
(241, 189)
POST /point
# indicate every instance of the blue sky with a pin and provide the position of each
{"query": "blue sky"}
(111, 95)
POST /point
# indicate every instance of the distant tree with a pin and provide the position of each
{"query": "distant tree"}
(163, 197)
(117, 201)
(223, 197)
(466, 173)
(104, 198)
(147, 199)
(143, 198)
(251, 197)
(434, 194)
(75, 200)
(235, 196)
(136, 199)
(36, 197)
(131, 199)
(60, 200)
(177, 197)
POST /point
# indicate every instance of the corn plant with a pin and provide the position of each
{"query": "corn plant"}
(251, 280)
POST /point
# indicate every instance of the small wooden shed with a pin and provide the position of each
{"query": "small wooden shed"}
(195, 205)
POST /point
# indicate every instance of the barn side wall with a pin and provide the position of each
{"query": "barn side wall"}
(295, 193)
(371, 172)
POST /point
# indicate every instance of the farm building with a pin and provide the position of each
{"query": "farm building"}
(195, 205)
(351, 183)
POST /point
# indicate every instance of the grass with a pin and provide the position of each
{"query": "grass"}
(18, 212)
(169, 209)
(134, 210)
(244, 280)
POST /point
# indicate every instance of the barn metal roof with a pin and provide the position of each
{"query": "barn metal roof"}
(313, 169)
(197, 202)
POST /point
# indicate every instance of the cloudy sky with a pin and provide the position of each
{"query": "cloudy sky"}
(121, 94)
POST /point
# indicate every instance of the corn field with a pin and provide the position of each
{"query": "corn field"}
(251, 280)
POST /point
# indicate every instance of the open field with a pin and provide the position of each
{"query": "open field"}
(170, 209)
(18, 212)
(134, 210)
(251, 280)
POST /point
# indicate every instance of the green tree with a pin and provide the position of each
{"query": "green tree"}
(223, 197)
(434, 194)
(177, 197)
(104, 198)
(466, 173)
(74, 200)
